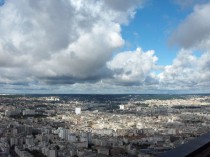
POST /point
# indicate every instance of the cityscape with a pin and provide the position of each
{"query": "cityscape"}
(100, 125)
(104, 78)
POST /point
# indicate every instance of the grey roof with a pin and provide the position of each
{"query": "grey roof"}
(189, 147)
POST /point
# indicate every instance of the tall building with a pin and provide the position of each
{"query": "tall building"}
(78, 110)
(63, 133)
(122, 107)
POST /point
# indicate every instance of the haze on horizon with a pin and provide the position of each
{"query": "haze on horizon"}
(104, 46)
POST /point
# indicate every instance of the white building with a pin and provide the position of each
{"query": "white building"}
(52, 98)
(78, 110)
(63, 133)
(122, 107)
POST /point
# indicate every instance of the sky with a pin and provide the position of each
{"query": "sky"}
(105, 46)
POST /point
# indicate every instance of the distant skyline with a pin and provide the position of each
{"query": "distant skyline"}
(105, 46)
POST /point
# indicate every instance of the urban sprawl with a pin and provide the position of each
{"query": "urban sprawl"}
(62, 126)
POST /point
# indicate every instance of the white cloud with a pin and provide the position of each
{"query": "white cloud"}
(63, 41)
(72, 42)
(133, 67)
(194, 31)
(187, 72)
(190, 71)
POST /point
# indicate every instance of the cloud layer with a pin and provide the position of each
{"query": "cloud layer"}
(189, 70)
(60, 41)
(45, 43)
(195, 29)
(133, 67)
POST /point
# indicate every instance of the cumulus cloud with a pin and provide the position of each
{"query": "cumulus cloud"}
(187, 72)
(72, 42)
(194, 31)
(63, 41)
(133, 67)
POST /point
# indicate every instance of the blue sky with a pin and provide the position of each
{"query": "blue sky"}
(1, 2)
(105, 46)
(152, 26)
